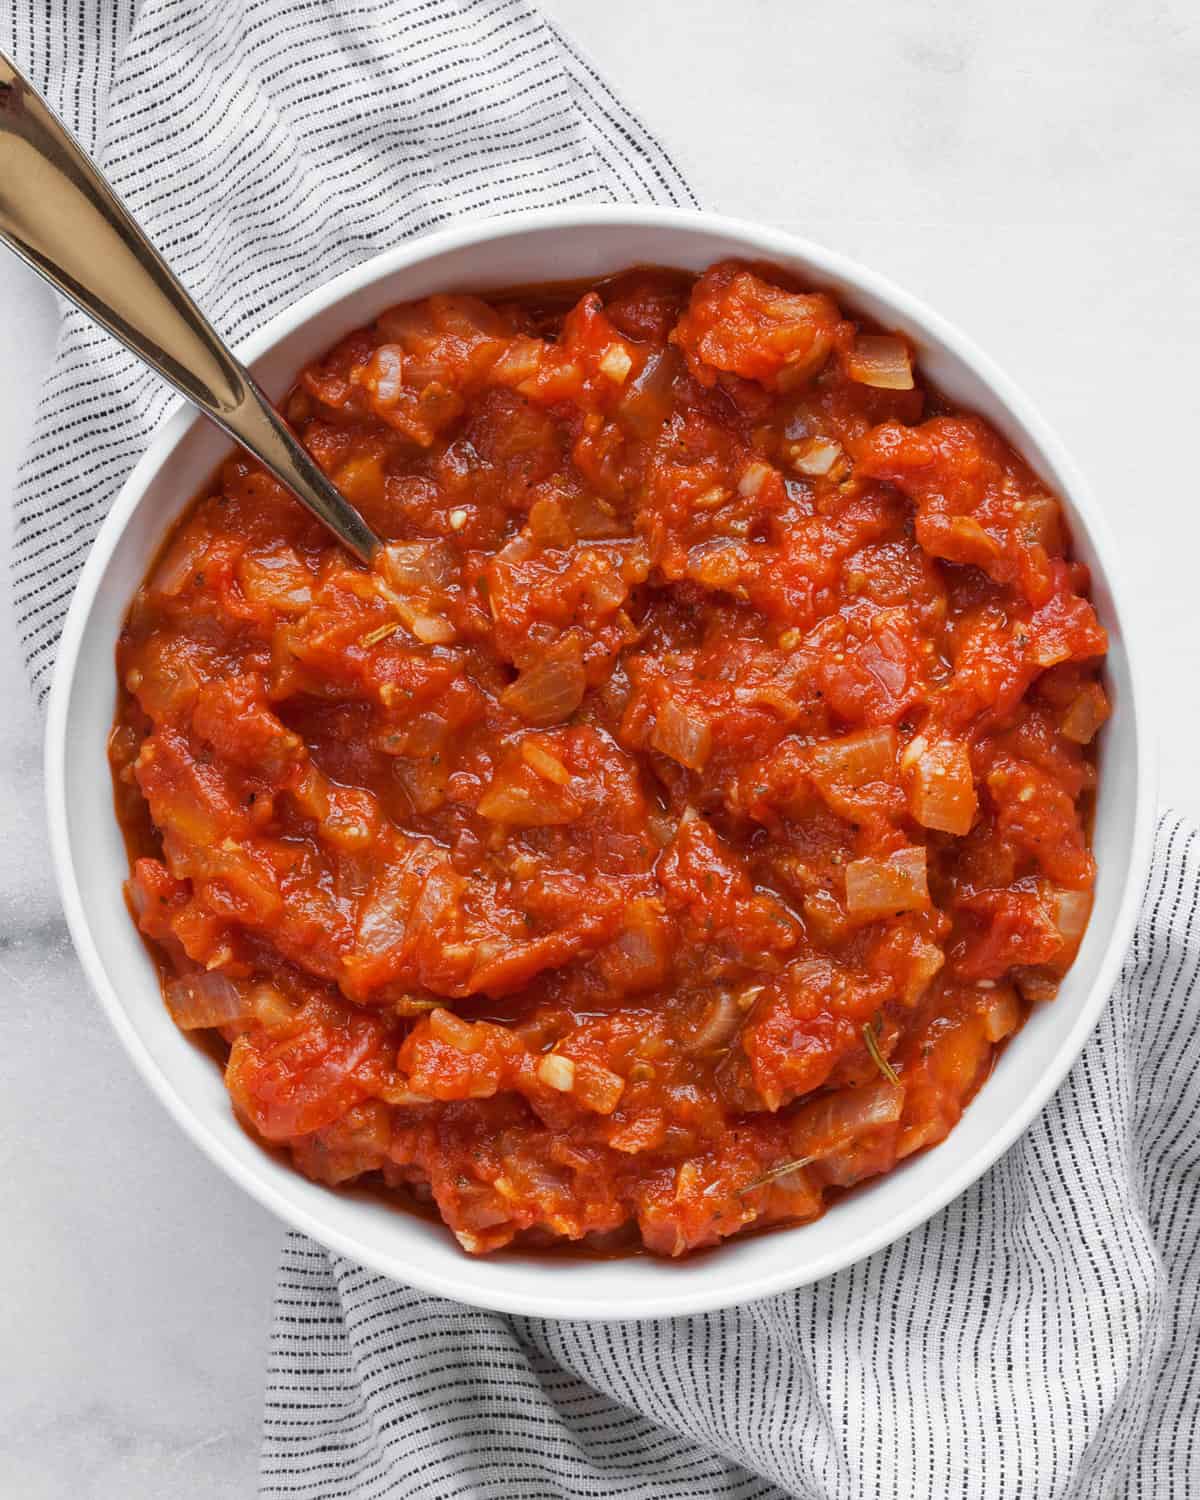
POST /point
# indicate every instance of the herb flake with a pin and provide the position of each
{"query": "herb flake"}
(781, 1170)
(877, 1056)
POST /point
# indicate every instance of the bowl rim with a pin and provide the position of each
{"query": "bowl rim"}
(461, 1278)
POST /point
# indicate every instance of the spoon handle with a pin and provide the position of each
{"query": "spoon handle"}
(61, 217)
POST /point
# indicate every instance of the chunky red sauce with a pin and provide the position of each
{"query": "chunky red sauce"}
(671, 825)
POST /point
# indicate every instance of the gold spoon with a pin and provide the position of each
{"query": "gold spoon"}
(62, 218)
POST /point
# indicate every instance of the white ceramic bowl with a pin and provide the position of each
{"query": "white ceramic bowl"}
(90, 858)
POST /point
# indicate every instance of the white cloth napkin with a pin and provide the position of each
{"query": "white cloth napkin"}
(1039, 1338)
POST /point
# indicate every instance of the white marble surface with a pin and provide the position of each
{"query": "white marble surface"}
(1029, 168)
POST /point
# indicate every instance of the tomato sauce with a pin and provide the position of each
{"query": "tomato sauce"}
(663, 835)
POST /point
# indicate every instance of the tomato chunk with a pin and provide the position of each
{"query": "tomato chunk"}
(668, 826)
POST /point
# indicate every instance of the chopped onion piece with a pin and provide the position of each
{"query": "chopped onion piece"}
(520, 361)
(556, 382)
(833, 1121)
(941, 793)
(913, 751)
(271, 1007)
(548, 766)
(1050, 653)
(407, 320)
(639, 957)
(199, 1000)
(1042, 522)
(880, 887)
(966, 541)
(1070, 911)
(607, 592)
(927, 961)
(557, 1072)
(815, 457)
(433, 630)
(754, 476)
(511, 799)
(179, 563)
(401, 1094)
(682, 734)
(548, 523)
(1087, 711)
(616, 363)
(716, 564)
(598, 1088)
(451, 1029)
(881, 360)
(412, 567)
(635, 562)
(592, 518)
(550, 690)
(720, 1020)
(646, 403)
(855, 760)
(1036, 984)
(1001, 1011)
(277, 579)
(387, 373)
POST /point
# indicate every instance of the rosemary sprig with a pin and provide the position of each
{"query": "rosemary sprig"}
(877, 1056)
(380, 633)
(780, 1171)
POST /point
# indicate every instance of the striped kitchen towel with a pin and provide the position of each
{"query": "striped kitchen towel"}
(1039, 1337)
